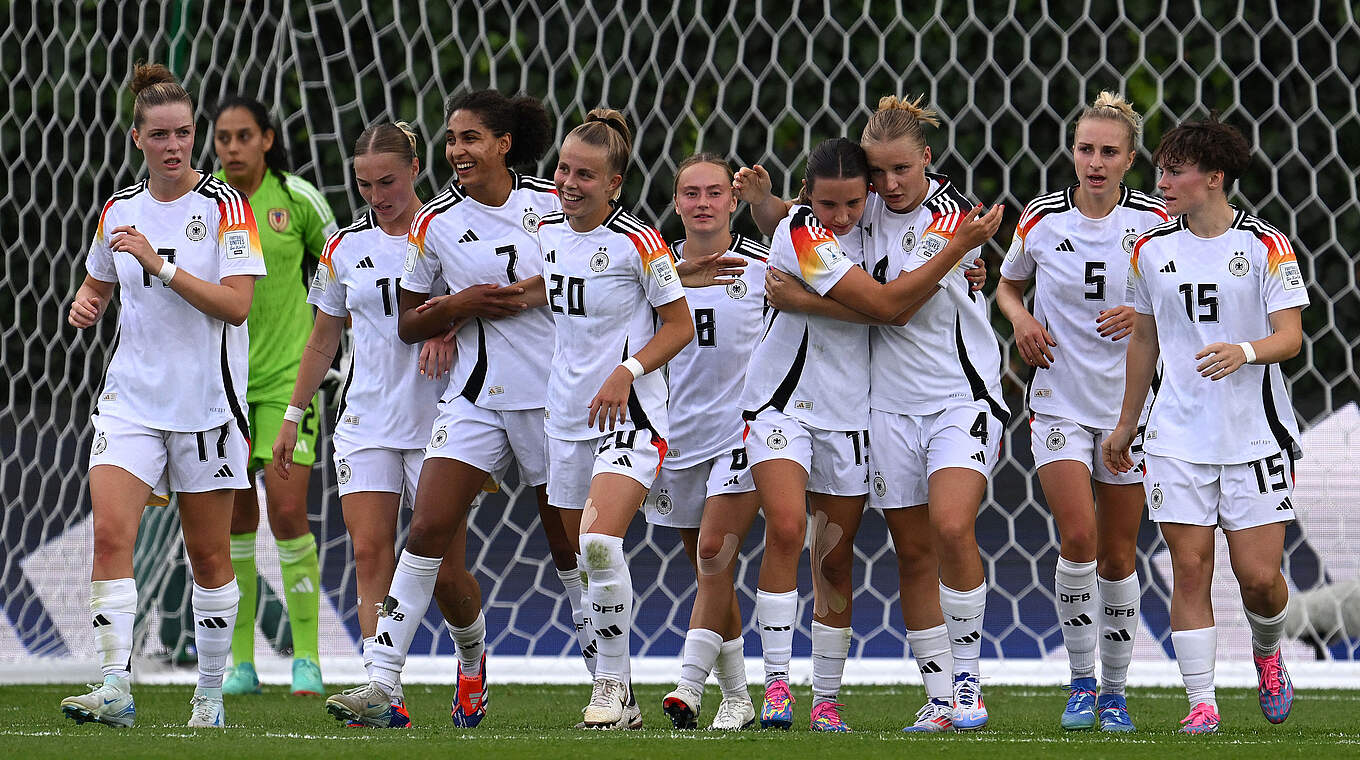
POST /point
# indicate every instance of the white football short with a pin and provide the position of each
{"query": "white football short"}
(489, 438)
(377, 468)
(836, 461)
(1231, 496)
(211, 460)
(1054, 439)
(677, 497)
(909, 448)
(573, 464)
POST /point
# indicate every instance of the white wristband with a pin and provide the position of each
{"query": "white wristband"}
(633, 365)
(1249, 351)
(167, 272)
(294, 414)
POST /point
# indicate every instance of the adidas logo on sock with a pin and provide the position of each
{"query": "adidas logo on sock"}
(468, 237)
(1065, 246)
(1119, 635)
(473, 645)
(364, 263)
(931, 667)
(213, 622)
(101, 620)
(608, 633)
(1169, 268)
(775, 627)
(303, 586)
(1079, 620)
(383, 639)
(979, 457)
(623, 461)
(223, 472)
(968, 638)
(589, 652)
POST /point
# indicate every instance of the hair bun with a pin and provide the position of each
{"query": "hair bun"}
(145, 75)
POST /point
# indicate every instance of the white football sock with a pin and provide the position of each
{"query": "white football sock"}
(585, 635)
(776, 614)
(702, 648)
(830, 647)
(611, 603)
(963, 619)
(1120, 604)
(933, 656)
(1195, 652)
(399, 618)
(471, 643)
(730, 669)
(1266, 632)
(572, 584)
(366, 649)
(1078, 607)
(214, 619)
(113, 610)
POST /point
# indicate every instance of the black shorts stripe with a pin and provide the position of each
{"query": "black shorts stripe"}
(781, 396)
(978, 387)
(1281, 433)
(237, 412)
(344, 392)
(477, 378)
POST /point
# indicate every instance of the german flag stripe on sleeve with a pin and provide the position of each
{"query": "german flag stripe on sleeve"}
(1278, 249)
(648, 242)
(809, 244)
(1049, 203)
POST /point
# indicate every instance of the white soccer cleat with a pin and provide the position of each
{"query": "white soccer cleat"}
(611, 706)
(734, 714)
(205, 711)
(367, 704)
(109, 703)
(682, 705)
(935, 717)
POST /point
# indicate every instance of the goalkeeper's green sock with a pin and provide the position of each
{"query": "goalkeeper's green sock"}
(243, 563)
(302, 590)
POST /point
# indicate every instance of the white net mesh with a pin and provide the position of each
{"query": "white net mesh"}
(754, 81)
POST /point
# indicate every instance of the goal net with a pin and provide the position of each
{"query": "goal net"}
(757, 82)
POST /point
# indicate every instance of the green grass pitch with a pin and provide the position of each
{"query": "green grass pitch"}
(534, 721)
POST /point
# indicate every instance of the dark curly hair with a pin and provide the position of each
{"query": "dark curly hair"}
(1208, 144)
(521, 117)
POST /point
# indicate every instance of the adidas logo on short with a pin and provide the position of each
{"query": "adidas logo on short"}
(1079, 620)
(623, 461)
(1065, 247)
(468, 237)
(979, 457)
(732, 481)
(1119, 635)
(1170, 268)
(1285, 505)
(223, 472)
(364, 263)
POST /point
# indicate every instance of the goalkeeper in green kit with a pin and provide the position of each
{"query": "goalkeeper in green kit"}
(294, 222)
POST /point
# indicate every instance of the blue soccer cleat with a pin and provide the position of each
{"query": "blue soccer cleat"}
(935, 717)
(1080, 712)
(777, 712)
(970, 713)
(1113, 713)
(1273, 687)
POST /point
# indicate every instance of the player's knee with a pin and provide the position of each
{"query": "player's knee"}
(209, 563)
(111, 550)
(953, 533)
(784, 534)
(1258, 584)
(1116, 564)
(427, 538)
(288, 516)
(455, 587)
(835, 568)
(373, 556)
(1079, 544)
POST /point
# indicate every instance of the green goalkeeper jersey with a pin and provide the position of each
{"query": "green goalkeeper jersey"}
(293, 222)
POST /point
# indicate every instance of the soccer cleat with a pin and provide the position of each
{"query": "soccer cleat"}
(205, 711)
(306, 678)
(1273, 687)
(934, 717)
(109, 703)
(1203, 719)
(969, 712)
(826, 717)
(397, 717)
(241, 679)
(367, 705)
(608, 698)
(1080, 712)
(777, 712)
(682, 705)
(734, 714)
(470, 698)
(1113, 712)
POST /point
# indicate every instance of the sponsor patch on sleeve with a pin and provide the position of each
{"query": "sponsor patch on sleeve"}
(237, 243)
(829, 253)
(1291, 275)
(932, 244)
(664, 271)
(412, 251)
(319, 281)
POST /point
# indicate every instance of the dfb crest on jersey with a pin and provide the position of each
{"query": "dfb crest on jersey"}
(776, 440)
(196, 230)
(278, 219)
(1239, 266)
(441, 436)
(663, 503)
(1130, 237)
(736, 289)
(909, 241)
(100, 444)
(1055, 440)
(342, 472)
(880, 485)
(600, 261)
(530, 221)
(1155, 500)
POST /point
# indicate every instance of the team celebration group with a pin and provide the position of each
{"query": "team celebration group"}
(850, 358)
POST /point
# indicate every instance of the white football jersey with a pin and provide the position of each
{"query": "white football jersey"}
(1204, 291)
(1078, 264)
(602, 286)
(707, 375)
(385, 401)
(499, 363)
(176, 368)
(947, 353)
(811, 367)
